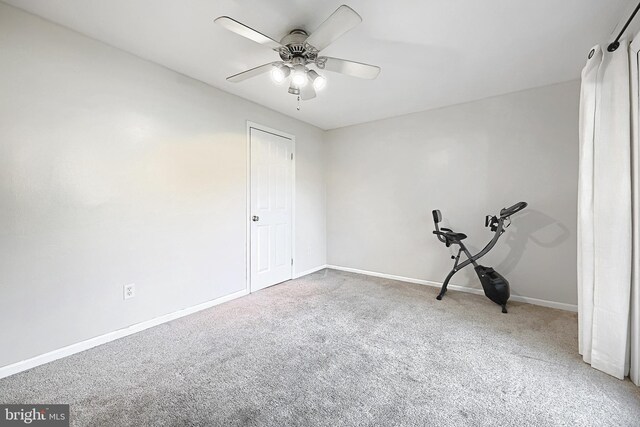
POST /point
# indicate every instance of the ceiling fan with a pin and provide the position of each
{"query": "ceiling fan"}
(298, 50)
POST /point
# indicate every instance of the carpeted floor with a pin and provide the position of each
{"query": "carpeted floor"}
(340, 349)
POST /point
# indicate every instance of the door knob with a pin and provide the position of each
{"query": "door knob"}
(255, 218)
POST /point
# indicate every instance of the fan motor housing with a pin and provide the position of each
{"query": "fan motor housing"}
(294, 41)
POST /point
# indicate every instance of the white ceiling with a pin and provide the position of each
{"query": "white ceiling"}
(432, 52)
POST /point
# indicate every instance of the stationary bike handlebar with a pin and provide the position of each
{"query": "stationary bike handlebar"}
(507, 212)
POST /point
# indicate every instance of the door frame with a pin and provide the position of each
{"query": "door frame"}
(263, 128)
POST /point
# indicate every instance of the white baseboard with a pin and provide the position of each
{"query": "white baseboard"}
(310, 271)
(14, 368)
(519, 298)
(24, 365)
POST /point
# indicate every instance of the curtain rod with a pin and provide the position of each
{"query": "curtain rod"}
(616, 43)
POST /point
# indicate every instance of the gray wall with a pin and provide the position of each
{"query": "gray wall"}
(385, 177)
(115, 170)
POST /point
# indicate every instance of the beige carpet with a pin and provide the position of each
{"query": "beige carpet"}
(340, 349)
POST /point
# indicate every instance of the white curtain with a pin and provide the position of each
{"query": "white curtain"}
(608, 235)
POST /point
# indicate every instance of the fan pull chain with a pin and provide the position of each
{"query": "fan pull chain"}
(298, 102)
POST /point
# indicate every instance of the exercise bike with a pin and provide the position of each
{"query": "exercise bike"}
(496, 287)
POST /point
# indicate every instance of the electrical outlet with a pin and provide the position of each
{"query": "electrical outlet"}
(129, 291)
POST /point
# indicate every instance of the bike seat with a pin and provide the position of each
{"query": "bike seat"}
(455, 236)
(451, 236)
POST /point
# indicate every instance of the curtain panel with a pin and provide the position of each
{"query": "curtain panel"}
(608, 237)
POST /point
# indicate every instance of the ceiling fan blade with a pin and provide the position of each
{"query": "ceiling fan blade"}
(307, 92)
(251, 73)
(247, 32)
(350, 68)
(340, 21)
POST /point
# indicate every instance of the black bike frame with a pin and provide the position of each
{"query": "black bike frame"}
(471, 258)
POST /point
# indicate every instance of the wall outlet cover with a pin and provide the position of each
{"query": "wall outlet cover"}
(129, 291)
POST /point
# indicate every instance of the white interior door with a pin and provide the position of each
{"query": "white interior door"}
(271, 208)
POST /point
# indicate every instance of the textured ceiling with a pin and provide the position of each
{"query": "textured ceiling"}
(432, 53)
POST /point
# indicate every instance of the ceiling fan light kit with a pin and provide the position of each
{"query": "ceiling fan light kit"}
(280, 73)
(318, 81)
(298, 51)
(299, 75)
(293, 89)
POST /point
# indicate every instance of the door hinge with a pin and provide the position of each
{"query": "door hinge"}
(291, 156)
(291, 261)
